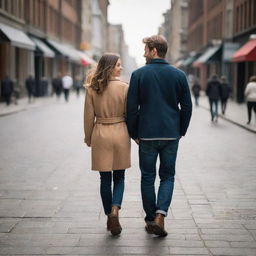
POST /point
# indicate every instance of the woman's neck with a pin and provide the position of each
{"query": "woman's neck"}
(114, 78)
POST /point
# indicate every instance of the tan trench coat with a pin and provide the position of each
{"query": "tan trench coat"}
(105, 128)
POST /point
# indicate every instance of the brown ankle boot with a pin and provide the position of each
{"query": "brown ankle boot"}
(159, 225)
(113, 221)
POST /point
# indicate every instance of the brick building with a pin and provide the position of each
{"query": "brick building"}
(216, 31)
(40, 37)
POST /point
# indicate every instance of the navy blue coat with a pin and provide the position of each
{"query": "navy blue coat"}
(158, 103)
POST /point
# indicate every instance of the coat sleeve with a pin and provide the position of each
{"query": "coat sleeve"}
(185, 106)
(132, 107)
(89, 117)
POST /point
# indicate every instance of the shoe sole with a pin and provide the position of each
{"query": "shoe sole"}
(159, 231)
(117, 229)
(149, 230)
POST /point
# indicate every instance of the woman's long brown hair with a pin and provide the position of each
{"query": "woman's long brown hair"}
(101, 77)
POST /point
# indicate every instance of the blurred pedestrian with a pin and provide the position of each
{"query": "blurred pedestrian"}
(16, 91)
(158, 114)
(44, 86)
(30, 86)
(250, 94)
(225, 92)
(57, 85)
(196, 88)
(7, 89)
(67, 83)
(78, 85)
(106, 132)
(213, 91)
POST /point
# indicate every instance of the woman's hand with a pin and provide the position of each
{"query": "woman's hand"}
(137, 141)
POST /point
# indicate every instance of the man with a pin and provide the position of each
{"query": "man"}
(67, 83)
(158, 113)
(57, 85)
(7, 89)
(31, 87)
(213, 91)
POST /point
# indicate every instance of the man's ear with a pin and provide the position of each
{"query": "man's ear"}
(154, 52)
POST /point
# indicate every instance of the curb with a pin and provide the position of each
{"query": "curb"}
(231, 121)
(13, 112)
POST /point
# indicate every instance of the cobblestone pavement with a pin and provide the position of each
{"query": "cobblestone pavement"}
(50, 204)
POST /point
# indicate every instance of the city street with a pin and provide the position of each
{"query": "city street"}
(50, 202)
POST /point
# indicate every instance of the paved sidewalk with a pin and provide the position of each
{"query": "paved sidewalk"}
(50, 202)
(23, 104)
(235, 113)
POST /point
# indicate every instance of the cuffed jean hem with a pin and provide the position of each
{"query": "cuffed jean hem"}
(162, 212)
(118, 205)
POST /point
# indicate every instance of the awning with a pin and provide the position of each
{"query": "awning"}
(188, 61)
(17, 37)
(72, 53)
(206, 56)
(43, 48)
(229, 49)
(246, 53)
(86, 60)
(64, 50)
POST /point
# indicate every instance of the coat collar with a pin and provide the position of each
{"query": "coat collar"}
(158, 61)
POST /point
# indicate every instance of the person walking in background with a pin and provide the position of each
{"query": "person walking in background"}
(250, 94)
(7, 89)
(196, 88)
(57, 85)
(16, 91)
(213, 91)
(159, 109)
(67, 83)
(225, 92)
(106, 133)
(30, 86)
(78, 85)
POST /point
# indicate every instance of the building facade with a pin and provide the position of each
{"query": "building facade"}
(217, 30)
(41, 38)
(174, 29)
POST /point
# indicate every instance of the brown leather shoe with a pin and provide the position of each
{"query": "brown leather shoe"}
(149, 228)
(113, 221)
(159, 225)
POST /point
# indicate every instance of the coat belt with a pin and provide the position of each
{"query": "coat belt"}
(109, 120)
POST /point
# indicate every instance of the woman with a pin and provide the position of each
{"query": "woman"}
(250, 94)
(106, 133)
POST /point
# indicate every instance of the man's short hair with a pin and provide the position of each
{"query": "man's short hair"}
(158, 42)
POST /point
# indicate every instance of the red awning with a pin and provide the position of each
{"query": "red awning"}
(246, 53)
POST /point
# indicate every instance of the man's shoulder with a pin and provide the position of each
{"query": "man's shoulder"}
(140, 70)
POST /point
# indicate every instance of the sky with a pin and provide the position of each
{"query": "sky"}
(140, 18)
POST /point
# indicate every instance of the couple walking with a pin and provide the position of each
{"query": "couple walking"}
(155, 111)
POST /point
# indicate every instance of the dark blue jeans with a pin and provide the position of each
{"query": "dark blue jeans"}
(148, 153)
(214, 113)
(108, 198)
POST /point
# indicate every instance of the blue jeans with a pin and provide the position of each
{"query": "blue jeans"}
(108, 198)
(148, 153)
(214, 113)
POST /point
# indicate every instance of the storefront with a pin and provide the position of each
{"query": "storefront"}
(245, 66)
(43, 66)
(208, 63)
(16, 55)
